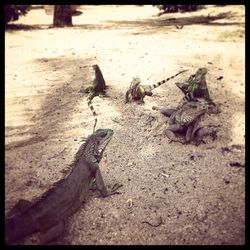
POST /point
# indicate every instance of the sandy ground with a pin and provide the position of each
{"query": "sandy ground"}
(198, 192)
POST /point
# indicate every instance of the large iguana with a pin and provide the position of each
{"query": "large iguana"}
(137, 92)
(186, 118)
(97, 88)
(47, 215)
(195, 86)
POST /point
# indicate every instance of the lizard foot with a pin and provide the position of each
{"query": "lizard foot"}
(93, 185)
(180, 141)
(198, 142)
(114, 188)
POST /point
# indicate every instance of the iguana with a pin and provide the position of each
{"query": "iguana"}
(195, 86)
(47, 215)
(98, 88)
(184, 118)
(137, 92)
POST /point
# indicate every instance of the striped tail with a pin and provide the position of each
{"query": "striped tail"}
(166, 80)
(93, 111)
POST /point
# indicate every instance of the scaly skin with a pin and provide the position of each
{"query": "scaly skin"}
(133, 90)
(184, 119)
(99, 85)
(49, 213)
(195, 86)
(98, 88)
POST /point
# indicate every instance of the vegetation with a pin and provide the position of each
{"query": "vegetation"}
(178, 8)
(13, 12)
(232, 36)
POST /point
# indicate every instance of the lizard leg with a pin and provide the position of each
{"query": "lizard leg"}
(204, 131)
(53, 233)
(171, 135)
(141, 94)
(100, 183)
(192, 128)
(167, 112)
(88, 89)
(128, 96)
(189, 134)
(101, 186)
(199, 136)
(148, 93)
(20, 207)
(93, 186)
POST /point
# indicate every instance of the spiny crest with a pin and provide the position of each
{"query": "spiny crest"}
(99, 136)
(80, 151)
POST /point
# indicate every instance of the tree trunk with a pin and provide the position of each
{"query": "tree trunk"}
(62, 16)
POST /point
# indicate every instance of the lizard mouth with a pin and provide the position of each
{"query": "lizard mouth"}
(102, 147)
(104, 138)
(104, 144)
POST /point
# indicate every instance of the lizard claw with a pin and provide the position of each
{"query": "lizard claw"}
(198, 142)
(114, 188)
(93, 185)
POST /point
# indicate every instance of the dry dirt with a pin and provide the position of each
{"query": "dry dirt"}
(198, 192)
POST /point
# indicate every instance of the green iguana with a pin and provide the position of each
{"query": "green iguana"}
(47, 215)
(137, 92)
(98, 88)
(185, 118)
(195, 86)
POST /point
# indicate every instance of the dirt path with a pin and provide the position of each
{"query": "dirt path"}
(198, 195)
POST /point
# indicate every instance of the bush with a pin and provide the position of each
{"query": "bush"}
(176, 8)
(12, 12)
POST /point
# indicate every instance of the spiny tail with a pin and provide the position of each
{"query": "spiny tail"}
(93, 110)
(153, 86)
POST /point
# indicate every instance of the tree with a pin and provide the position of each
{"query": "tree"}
(62, 16)
(12, 12)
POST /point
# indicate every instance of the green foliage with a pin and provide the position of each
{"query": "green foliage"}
(178, 8)
(12, 12)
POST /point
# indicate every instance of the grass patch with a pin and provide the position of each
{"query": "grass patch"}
(232, 36)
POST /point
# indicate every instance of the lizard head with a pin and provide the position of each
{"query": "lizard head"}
(135, 82)
(201, 71)
(103, 137)
(97, 142)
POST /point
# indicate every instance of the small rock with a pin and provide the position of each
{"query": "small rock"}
(130, 164)
(236, 164)
(191, 157)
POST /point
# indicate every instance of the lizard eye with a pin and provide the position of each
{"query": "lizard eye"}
(103, 135)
